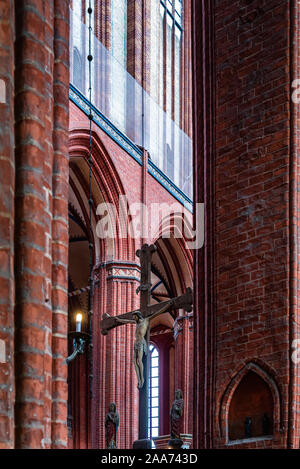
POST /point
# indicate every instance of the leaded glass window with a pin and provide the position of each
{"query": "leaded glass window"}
(153, 404)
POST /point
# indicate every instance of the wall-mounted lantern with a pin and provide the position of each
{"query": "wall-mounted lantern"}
(80, 339)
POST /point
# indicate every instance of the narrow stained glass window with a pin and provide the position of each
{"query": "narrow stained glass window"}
(153, 403)
(118, 64)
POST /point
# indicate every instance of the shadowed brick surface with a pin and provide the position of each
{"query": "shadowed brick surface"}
(7, 189)
(34, 39)
(251, 209)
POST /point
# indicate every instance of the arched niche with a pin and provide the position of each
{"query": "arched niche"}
(251, 409)
(252, 392)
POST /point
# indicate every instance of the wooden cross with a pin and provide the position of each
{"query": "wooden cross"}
(147, 312)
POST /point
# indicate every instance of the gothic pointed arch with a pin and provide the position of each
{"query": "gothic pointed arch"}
(106, 188)
(172, 236)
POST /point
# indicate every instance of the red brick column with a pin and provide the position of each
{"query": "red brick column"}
(203, 152)
(294, 423)
(114, 374)
(41, 167)
(134, 39)
(33, 314)
(7, 188)
(103, 22)
(102, 31)
(184, 368)
(47, 217)
(79, 397)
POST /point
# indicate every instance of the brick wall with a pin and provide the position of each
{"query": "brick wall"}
(34, 291)
(186, 71)
(34, 154)
(60, 231)
(250, 184)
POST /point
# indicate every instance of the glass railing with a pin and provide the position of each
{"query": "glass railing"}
(118, 96)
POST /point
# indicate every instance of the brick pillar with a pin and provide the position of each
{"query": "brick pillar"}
(138, 65)
(60, 229)
(33, 315)
(114, 374)
(134, 46)
(47, 215)
(103, 22)
(41, 180)
(203, 151)
(7, 189)
(184, 367)
(294, 423)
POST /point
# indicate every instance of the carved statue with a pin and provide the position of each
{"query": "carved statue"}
(140, 344)
(248, 427)
(111, 426)
(176, 415)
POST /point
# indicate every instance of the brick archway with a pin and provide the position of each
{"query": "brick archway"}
(107, 188)
(111, 291)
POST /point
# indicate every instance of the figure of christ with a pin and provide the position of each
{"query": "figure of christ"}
(140, 344)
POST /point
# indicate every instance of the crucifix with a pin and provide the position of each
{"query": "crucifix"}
(141, 318)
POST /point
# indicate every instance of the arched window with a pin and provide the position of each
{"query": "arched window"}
(153, 406)
(118, 63)
(171, 38)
